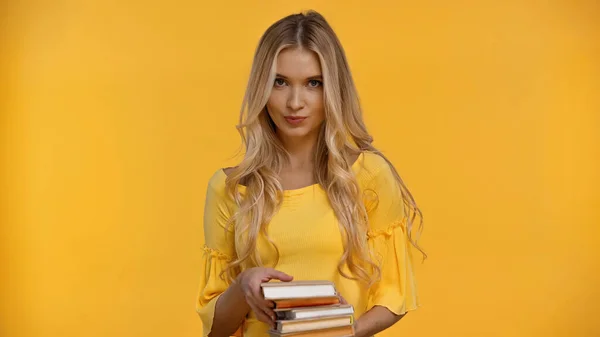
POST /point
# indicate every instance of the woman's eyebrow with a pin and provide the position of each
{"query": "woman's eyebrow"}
(313, 77)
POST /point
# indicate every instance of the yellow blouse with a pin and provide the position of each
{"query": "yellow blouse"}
(310, 244)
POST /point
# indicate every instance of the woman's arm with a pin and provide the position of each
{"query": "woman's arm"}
(374, 321)
(243, 295)
(395, 292)
(230, 311)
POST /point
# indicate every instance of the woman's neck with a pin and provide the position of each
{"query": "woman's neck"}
(302, 152)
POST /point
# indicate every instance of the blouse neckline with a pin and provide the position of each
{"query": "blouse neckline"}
(300, 190)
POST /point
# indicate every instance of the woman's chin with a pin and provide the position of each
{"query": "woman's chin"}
(296, 133)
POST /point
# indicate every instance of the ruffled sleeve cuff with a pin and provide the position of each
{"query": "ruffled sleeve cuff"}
(211, 286)
(397, 289)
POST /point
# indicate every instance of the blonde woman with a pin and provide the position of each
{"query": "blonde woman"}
(312, 198)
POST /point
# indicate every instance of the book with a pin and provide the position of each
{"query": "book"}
(308, 309)
(344, 331)
(313, 323)
(306, 302)
(297, 289)
(314, 312)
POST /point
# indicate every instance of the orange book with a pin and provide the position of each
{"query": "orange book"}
(306, 302)
(344, 331)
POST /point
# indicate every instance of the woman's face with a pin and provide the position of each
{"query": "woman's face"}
(296, 101)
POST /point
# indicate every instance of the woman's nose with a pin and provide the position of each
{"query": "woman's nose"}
(295, 101)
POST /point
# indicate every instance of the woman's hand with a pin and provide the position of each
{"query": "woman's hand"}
(355, 326)
(250, 280)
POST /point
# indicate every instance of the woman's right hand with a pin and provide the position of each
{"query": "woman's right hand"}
(250, 280)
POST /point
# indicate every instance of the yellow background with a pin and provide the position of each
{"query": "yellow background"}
(115, 114)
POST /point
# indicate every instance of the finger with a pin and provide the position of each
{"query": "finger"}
(262, 304)
(260, 314)
(256, 293)
(342, 299)
(266, 304)
(269, 312)
(279, 275)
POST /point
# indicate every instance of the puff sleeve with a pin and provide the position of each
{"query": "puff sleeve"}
(388, 239)
(218, 250)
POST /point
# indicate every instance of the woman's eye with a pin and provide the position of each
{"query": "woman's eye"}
(279, 82)
(314, 83)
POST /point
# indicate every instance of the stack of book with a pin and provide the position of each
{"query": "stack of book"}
(308, 309)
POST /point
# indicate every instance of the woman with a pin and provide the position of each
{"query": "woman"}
(311, 200)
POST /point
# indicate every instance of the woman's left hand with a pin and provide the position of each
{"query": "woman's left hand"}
(355, 325)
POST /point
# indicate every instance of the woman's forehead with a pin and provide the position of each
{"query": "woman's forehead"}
(298, 63)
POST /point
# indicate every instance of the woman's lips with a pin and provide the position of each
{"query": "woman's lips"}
(294, 120)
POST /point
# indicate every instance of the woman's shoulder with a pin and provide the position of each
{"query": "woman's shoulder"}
(370, 165)
(217, 194)
(216, 182)
(373, 159)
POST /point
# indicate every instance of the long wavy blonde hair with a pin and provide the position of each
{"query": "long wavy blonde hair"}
(342, 137)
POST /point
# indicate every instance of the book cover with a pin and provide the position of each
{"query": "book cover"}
(297, 289)
(313, 324)
(313, 312)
